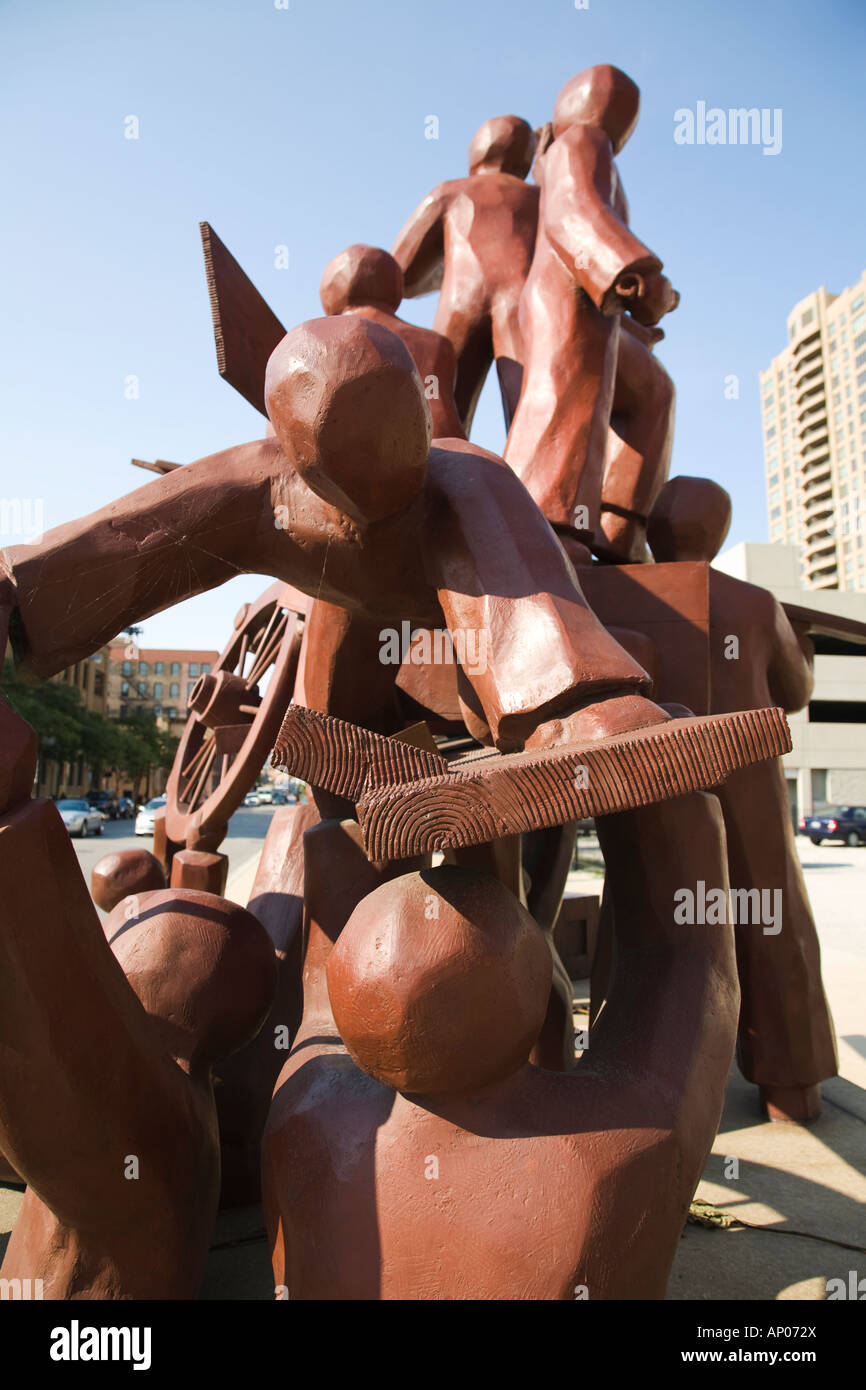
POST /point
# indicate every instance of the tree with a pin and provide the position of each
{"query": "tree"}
(67, 730)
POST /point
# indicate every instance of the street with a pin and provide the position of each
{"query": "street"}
(247, 830)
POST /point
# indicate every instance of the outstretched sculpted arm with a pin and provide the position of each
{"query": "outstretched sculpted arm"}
(580, 221)
(420, 247)
(177, 536)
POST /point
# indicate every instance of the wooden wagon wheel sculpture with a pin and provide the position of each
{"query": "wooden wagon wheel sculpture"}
(235, 712)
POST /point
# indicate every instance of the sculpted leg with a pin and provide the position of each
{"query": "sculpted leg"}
(786, 1043)
(639, 444)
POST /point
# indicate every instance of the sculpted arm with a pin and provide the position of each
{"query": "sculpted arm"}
(75, 1065)
(790, 675)
(420, 247)
(178, 536)
(669, 1024)
(586, 231)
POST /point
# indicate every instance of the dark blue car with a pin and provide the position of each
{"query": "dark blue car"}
(845, 823)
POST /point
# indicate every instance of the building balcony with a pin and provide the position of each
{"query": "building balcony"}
(819, 504)
(814, 474)
(811, 336)
(812, 449)
(813, 380)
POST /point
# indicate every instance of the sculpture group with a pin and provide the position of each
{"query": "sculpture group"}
(462, 655)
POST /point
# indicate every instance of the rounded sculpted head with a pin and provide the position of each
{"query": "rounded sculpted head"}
(439, 982)
(203, 968)
(347, 405)
(505, 145)
(359, 276)
(602, 96)
(690, 520)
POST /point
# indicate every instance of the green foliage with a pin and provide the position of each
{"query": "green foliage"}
(67, 730)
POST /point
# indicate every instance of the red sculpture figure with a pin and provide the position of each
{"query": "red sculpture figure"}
(424, 1158)
(588, 269)
(639, 444)
(786, 1043)
(115, 876)
(368, 281)
(474, 237)
(349, 503)
(111, 1121)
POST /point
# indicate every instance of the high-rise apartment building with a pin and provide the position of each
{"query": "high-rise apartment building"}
(813, 407)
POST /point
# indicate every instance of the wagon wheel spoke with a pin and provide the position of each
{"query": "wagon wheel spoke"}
(208, 763)
(267, 655)
(263, 640)
(195, 761)
(245, 646)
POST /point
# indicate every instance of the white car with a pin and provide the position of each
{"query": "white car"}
(144, 819)
(80, 818)
(266, 796)
(251, 799)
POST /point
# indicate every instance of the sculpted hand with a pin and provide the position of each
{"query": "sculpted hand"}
(648, 297)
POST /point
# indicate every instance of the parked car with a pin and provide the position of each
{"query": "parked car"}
(845, 823)
(104, 801)
(125, 808)
(251, 799)
(265, 795)
(144, 819)
(80, 818)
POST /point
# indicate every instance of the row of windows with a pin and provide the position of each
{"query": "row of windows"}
(171, 713)
(158, 666)
(142, 692)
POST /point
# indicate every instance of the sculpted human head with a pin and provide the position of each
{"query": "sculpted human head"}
(690, 520)
(602, 96)
(203, 968)
(347, 405)
(439, 982)
(359, 276)
(505, 145)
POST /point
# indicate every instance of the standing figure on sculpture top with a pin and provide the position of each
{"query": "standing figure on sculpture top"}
(587, 272)
(472, 239)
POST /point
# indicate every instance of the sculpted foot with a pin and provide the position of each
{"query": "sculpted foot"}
(619, 714)
(796, 1104)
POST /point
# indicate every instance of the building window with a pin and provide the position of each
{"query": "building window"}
(157, 709)
(124, 688)
(174, 690)
(157, 690)
(771, 432)
(193, 668)
(99, 683)
(172, 714)
(807, 317)
(205, 667)
(175, 668)
(142, 668)
(142, 690)
(157, 669)
(126, 668)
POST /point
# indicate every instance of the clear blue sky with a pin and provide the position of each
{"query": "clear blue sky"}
(305, 127)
